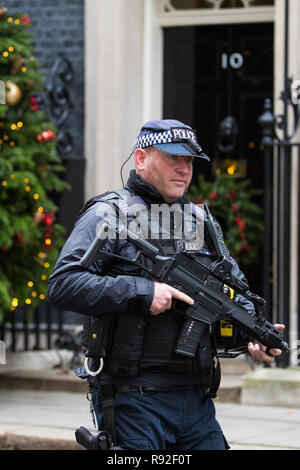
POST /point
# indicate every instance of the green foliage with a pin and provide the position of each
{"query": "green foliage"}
(231, 201)
(30, 238)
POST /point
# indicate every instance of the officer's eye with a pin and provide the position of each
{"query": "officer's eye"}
(189, 160)
(177, 158)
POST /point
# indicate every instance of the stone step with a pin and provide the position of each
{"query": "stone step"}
(18, 437)
(272, 387)
(36, 371)
(50, 380)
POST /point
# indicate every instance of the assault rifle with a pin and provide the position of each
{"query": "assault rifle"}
(206, 285)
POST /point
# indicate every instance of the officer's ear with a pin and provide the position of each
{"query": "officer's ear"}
(140, 156)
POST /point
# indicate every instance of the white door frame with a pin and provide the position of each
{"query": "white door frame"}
(156, 19)
(159, 19)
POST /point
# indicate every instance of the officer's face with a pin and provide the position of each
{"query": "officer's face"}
(169, 174)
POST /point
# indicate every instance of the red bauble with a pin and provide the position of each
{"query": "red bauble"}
(20, 239)
(33, 101)
(25, 19)
(47, 220)
(51, 135)
(241, 223)
(235, 208)
(46, 136)
(231, 194)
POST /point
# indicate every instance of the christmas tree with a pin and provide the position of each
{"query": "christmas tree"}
(232, 201)
(30, 239)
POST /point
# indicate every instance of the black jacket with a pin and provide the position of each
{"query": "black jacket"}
(120, 289)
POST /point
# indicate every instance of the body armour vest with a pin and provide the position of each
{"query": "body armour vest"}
(134, 342)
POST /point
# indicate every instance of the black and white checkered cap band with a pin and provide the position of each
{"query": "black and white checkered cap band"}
(147, 140)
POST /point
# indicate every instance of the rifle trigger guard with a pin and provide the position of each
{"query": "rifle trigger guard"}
(90, 372)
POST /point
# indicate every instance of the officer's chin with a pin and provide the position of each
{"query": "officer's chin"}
(170, 199)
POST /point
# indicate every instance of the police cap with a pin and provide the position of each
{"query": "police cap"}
(170, 136)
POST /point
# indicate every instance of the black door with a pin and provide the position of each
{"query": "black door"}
(212, 72)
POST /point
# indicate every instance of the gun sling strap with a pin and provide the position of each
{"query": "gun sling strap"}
(215, 381)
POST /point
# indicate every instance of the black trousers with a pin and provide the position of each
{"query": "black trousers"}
(173, 420)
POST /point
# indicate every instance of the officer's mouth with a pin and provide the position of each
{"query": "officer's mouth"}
(179, 182)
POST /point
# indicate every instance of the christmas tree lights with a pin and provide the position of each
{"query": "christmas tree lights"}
(30, 238)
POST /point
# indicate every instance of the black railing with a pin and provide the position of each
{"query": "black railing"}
(36, 329)
(279, 200)
(280, 203)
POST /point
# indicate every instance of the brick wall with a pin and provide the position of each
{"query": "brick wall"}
(58, 27)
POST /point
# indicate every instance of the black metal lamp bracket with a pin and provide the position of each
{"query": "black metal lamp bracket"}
(291, 99)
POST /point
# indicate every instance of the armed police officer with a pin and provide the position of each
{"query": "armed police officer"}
(161, 399)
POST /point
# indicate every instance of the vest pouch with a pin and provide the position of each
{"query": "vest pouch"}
(97, 335)
(95, 343)
(160, 338)
(124, 358)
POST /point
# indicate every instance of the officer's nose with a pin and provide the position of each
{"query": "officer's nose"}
(183, 166)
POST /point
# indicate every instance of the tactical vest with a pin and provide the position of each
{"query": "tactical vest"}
(132, 342)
